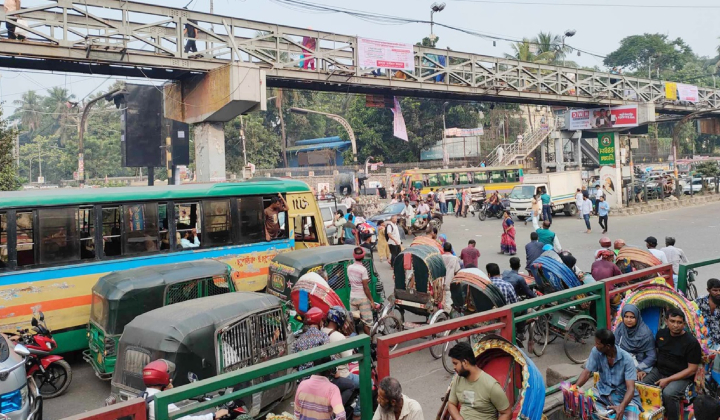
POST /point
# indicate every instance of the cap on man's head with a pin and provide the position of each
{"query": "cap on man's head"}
(651, 240)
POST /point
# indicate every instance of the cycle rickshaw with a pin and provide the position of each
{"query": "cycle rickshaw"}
(472, 292)
(419, 274)
(574, 324)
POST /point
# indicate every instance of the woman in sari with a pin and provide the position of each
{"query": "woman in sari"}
(635, 337)
(507, 240)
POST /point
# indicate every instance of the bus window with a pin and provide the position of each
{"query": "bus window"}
(446, 179)
(497, 177)
(480, 177)
(463, 179)
(112, 245)
(25, 234)
(58, 235)
(433, 180)
(86, 223)
(164, 226)
(141, 228)
(3, 242)
(217, 222)
(250, 215)
(306, 229)
(512, 175)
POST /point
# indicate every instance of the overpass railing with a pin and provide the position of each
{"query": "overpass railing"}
(685, 270)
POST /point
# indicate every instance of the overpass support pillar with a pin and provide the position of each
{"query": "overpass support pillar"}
(208, 101)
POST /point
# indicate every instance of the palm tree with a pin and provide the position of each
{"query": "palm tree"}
(59, 103)
(528, 50)
(29, 111)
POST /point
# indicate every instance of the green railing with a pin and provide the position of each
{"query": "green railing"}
(211, 386)
(684, 270)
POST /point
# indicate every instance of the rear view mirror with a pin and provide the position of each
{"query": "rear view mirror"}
(42, 316)
(21, 350)
(34, 322)
(192, 377)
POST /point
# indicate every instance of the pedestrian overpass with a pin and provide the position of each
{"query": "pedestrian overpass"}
(237, 59)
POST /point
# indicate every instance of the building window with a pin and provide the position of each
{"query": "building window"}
(218, 224)
(58, 235)
(141, 228)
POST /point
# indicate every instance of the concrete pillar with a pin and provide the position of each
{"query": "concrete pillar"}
(210, 152)
(543, 157)
(559, 156)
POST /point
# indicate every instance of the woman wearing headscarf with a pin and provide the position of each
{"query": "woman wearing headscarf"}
(507, 240)
(635, 337)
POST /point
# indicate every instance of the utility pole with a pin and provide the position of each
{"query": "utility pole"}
(110, 96)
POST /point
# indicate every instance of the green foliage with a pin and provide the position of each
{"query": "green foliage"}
(262, 143)
(640, 52)
(708, 168)
(8, 172)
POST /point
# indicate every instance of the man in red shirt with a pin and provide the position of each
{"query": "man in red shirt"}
(604, 267)
(470, 255)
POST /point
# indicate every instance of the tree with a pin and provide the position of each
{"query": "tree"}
(650, 51)
(527, 50)
(59, 103)
(8, 170)
(708, 168)
(30, 111)
(262, 143)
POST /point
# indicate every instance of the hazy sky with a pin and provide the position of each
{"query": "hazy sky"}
(600, 26)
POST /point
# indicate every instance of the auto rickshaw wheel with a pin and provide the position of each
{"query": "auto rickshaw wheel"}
(440, 316)
(386, 325)
(540, 335)
(579, 340)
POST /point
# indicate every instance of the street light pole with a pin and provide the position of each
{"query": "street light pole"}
(342, 121)
(446, 158)
(434, 8)
(568, 34)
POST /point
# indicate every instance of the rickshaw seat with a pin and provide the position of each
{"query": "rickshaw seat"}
(504, 369)
(650, 397)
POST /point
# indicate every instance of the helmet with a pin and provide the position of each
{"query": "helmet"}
(605, 242)
(359, 253)
(337, 315)
(158, 373)
(313, 316)
(619, 243)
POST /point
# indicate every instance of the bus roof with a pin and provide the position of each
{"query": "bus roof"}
(486, 168)
(65, 197)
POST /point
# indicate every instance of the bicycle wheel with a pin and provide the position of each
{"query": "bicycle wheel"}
(540, 333)
(446, 360)
(691, 291)
(386, 325)
(579, 340)
(437, 351)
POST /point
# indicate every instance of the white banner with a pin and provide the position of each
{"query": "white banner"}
(687, 93)
(385, 55)
(399, 128)
(464, 132)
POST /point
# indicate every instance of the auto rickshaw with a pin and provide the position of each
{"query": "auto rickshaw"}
(287, 268)
(205, 337)
(419, 273)
(119, 297)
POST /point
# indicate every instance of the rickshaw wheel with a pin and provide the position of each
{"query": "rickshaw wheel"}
(691, 292)
(540, 335)
(446, 361)
(437, 351)
(386, 325)
(579, 340)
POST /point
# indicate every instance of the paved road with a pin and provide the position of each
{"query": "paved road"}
(696, 230)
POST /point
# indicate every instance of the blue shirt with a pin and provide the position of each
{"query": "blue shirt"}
(612, 379)
(518, 282)
(545, 199)
(506, 289)
(603, 208)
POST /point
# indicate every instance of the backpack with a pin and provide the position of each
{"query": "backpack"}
(387, 236)
(148, 400)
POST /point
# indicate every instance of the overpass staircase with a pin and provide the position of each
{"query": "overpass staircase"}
(590, 152)
(516, 153)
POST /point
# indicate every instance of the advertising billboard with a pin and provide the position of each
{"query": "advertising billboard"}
(599, 118)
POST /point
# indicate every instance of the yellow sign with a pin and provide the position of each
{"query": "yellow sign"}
(671, 90)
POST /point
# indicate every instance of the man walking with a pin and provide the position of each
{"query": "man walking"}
(603, 210)
(470, 255)
(578, 202)
(586, 210)
(443, 201)
(392, 233)
(599, 193)
(547, 210)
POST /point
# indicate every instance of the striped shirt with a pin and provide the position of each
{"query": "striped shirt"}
(318, 399)
(507, 290)
(356, 273)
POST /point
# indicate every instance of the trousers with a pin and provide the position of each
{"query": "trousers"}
(671, 395)
(603, 222)
(394, 252)
(587, 220)
(547, 213)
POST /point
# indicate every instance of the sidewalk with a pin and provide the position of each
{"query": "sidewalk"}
(669, 204)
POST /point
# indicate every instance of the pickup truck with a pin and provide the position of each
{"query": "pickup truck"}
(562, 187)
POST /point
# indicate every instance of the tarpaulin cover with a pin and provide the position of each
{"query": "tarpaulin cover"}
(632, 259)
(475, 284)
(553, 274)
(318, 296)
(426, 263)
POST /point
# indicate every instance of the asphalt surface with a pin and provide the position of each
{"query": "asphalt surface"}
(696, 230)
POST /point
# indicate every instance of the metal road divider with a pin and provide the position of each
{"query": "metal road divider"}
(684, 270)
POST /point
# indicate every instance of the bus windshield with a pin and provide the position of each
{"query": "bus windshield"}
(522, 192)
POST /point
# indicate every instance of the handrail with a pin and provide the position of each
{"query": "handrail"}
(664, 270)
(231, 379)
(685, 269)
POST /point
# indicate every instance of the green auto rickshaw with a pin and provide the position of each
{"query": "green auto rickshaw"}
(204, 338)
(286, 268)
(119, 297)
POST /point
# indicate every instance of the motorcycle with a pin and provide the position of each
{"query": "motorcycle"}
(486, 212)
(51, 372)
(420, 226)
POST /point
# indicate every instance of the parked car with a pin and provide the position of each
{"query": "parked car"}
(696, 184)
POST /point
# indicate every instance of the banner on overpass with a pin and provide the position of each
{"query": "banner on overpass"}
(597, 118)
(464, 132)
(385, 55)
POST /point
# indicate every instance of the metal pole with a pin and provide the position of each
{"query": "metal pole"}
(151, 176)
(40, 160)
(432, 12)
(242, 135)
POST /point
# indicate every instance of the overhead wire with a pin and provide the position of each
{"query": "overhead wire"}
(605, 5)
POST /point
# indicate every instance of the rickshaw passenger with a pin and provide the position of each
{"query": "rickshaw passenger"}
(636, 338)
(319, 399)
(518, 282)
(452, 266)
(157, 377)
(616, 387)
(360, 296)
(479, 395)
(709, 308)
(312, 336)
(507, 290)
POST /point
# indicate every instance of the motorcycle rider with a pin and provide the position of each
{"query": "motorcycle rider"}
(157, 376)
(409, 214)
(423, 212)
(494, 202)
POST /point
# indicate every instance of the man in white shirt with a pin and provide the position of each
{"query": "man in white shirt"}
(408, 213)
(190, 240)
(349, 202)
(586, 210)
(674, 255)
(393, 238)
(452, 266)
(443, 201)
(578, 202)
(651, 243)
(393, 404)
